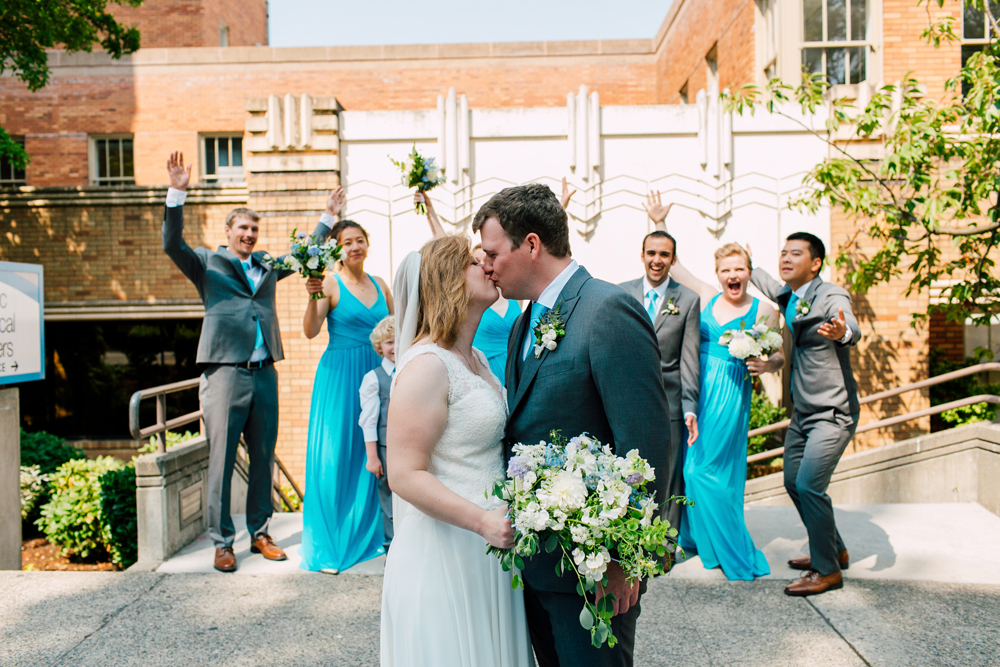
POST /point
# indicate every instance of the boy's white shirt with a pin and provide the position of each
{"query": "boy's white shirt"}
(370, 403)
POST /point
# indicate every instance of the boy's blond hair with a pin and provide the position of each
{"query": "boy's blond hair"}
(383, 331)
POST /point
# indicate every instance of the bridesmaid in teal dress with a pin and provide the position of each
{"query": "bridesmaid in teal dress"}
(341, 518)
(715, 468)
(494, 329)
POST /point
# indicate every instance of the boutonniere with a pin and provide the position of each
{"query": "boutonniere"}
(802, 308)
(670, 308)
(548, 332)
(266, 260)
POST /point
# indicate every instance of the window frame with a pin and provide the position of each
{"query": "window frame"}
(110, 181)
(214, 178)
(14, 182)
(971, 41)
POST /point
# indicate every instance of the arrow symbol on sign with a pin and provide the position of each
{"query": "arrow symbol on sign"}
(14, 366)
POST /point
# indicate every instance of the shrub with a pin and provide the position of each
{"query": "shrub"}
(762, 413)
(970, 414)
(46, 451)
(118, 515)
(293, 498)
(33, 484)
(173, 439)
(72, 518)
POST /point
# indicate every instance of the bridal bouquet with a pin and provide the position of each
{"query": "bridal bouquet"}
(578, 497)
(309, 257)
(757, 341)
(420, 173)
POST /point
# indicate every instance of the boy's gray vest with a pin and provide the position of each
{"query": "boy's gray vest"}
(384, 382)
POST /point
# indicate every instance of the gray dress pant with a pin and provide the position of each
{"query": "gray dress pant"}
(238, 401)
(385, 498)
(813, 447)
(673, 512)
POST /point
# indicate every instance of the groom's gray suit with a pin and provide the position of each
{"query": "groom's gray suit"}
(825, 413)
(602, 379)
(678, 336)
(236, 397)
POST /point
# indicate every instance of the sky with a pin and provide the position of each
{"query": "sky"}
(365, 22)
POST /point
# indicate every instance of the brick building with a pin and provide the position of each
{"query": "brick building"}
(88, 206)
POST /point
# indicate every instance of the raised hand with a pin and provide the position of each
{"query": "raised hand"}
(566, 195)
(836, 328)
(336, 201)
(655, 208)
(179, 176)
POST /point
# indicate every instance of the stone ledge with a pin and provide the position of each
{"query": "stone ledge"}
(92, 195)
(172, 463)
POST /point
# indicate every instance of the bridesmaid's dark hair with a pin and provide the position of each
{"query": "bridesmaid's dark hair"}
(342, 225)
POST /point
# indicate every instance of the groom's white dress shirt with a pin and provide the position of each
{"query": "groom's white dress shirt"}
(255, 272)
(801, 293)
(548, 298)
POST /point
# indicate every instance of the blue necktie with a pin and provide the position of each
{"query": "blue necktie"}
(651, 308)
(537, 312)
(260, 334)
(790, 310)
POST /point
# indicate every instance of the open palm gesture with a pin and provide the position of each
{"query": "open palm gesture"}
(179, 176)
(655, 208)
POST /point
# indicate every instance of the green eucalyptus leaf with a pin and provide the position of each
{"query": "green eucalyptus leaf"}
(586, 619)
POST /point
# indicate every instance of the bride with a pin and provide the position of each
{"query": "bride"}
(444, 600)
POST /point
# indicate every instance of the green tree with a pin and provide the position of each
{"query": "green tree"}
(936, 186)
(29, 27)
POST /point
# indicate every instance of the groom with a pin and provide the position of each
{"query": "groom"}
(603, 378)
(825, 396)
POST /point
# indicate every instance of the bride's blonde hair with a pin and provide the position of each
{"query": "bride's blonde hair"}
(444, 294)
(729, 250)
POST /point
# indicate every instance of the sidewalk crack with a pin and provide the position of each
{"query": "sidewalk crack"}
(110, 617)
(839, 634)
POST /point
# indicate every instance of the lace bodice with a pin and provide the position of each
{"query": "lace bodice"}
(469, 456)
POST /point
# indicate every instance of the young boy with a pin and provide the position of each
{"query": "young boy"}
(374, 408)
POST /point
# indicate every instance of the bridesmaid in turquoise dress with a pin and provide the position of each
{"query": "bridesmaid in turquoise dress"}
(715, 468)
(494, 329)
(341, 517)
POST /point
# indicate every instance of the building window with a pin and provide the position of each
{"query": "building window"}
(766, 31)
(685, 99)
(223, 34)
(975, 32)
(223, 159)
(9, 174)
(111, 161)
(712, 66)
(835, 39)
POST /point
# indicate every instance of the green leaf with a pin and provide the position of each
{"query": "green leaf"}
(586, 619)
(603, 630)
(518, 562)
(551, 543)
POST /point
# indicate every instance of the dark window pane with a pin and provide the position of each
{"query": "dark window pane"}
(223, 153)
(835, 66)
(836, 20)
(969, 50)
(857, 56)
(995, 10)
(237, 151)
(859, 20)
(974, 23)
(210, 156)
(812, 60)
(812, 20)
(6, 169)
(102, 158)
(114, 158)
(128, 166)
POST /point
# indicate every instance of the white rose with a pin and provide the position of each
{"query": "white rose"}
(294, 263)
(743, 348)
(551, 345)
(313, 263)
(538, 349)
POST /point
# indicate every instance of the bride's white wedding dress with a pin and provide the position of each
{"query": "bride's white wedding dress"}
(444, 600)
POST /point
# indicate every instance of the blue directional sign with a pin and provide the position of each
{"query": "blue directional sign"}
(22, 322)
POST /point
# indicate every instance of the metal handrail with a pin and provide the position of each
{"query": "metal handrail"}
(899, 419)
(163, 425)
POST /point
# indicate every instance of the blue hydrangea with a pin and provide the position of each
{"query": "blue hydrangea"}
(295, 247)
(300, 235)
(518, 467)
(313, 251)
(634, 478)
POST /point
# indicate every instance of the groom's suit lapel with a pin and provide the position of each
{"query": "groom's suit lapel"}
(810, 295)
(661, 316)
(515, 344)
(237, 267)
(568, 299)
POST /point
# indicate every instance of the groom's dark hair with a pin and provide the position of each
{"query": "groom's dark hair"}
(528, 209)
(816, 248)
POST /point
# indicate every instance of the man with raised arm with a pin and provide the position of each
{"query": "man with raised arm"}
(240, 342)
(825, 397)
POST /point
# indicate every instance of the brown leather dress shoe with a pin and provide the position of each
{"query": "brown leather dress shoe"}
(806, 563)
(814, 583)
(225, 559)
(265, 546)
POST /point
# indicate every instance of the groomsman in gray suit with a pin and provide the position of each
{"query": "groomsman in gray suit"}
(675, 312)
(240, 342)
(825, 397)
